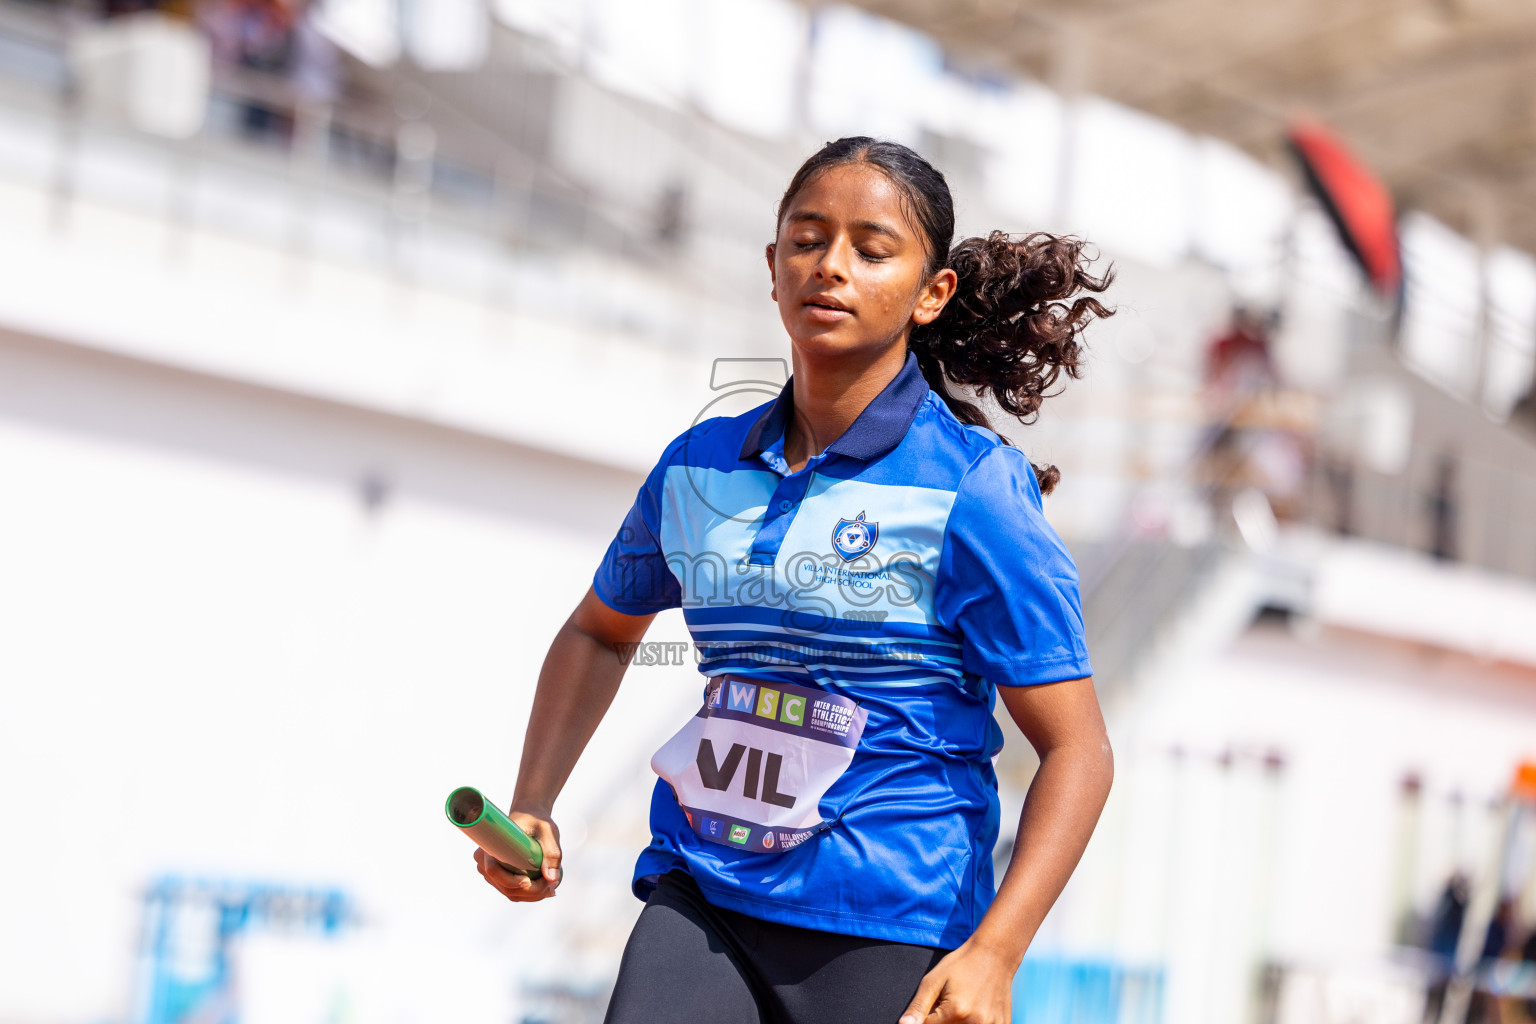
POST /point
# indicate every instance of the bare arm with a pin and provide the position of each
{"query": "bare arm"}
(1063, 723)
(580, 676)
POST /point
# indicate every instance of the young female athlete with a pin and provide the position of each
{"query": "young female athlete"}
(864, 567)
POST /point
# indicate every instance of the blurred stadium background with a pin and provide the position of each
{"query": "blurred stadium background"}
(335, 339)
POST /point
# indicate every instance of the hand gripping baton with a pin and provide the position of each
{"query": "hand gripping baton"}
(494, 832)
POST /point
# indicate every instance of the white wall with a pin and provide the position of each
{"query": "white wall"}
(217, 662)
(1212, 868)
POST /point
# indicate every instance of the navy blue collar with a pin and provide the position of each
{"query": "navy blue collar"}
(878, 429)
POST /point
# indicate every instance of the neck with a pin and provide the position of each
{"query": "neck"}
(829, 395)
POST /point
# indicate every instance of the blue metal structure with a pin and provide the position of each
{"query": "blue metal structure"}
(1049, 990)
(189, 928)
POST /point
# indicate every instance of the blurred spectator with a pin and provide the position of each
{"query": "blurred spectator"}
(114, 8)
(1261, 430)
(1339, 475)
(1524, 412)
(1528, 954)
(1444, 935)
(1450, 913)
(316, 66)
(1485, 1005)
(258, 35)
(1498, 936)
(1239, 362)
(278, 39)
(1442, 511)
(249, 33)
(672, 213)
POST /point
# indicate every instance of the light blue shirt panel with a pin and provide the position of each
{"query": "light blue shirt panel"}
(709, 520)
(912, 521)
(711, 517)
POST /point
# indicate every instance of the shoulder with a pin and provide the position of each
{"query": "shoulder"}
(711, 443)
(936, 452)
(1001, 474)
(997, 534)
(977, 463)
(997, 522)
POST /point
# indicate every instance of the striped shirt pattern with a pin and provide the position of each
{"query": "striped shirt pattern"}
(909, 568)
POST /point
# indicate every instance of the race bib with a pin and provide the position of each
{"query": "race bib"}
(751, 767)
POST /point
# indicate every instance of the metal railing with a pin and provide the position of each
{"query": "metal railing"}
(398, 177)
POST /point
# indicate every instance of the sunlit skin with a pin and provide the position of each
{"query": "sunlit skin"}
(849, 273)
(849, 276)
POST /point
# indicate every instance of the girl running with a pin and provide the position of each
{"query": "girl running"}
(865, 569)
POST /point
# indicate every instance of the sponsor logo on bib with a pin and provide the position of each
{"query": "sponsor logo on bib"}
(768, 703)
(740, 834)
(741, 696)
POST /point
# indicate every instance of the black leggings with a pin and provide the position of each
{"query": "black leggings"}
(688, 961)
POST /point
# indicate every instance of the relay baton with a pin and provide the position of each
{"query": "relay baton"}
(494, 832)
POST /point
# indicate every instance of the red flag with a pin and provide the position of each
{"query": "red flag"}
(1356, 200)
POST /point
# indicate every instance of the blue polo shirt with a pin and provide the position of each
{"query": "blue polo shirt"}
(908, 569)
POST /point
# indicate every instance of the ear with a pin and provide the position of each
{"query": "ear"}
(773, 277)
(935, 294)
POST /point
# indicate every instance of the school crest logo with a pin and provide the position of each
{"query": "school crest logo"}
(853, 537)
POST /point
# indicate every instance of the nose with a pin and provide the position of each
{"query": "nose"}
(833, 266)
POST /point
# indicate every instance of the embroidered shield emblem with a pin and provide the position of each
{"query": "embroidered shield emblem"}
(853, 537)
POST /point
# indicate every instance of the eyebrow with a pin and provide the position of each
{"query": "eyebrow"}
(864, 225)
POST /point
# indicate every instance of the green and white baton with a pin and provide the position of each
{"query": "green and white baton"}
(494, 832)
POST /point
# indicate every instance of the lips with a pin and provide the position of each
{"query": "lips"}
(826, 307)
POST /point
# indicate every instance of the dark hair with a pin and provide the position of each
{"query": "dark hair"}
(1012, 327)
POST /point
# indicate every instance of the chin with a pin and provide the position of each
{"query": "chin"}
(817, 340)
(829, 345)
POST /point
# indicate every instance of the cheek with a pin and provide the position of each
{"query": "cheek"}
(786, 279)
(792, 267)
(893, 291)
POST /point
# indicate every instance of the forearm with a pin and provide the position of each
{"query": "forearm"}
(1060, 812)
(576, 685)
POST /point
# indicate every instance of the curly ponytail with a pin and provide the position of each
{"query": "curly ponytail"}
(1013, 326)
(1010, 330)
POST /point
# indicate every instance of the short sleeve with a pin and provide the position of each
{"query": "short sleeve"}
(1006, 582)
(633, 577)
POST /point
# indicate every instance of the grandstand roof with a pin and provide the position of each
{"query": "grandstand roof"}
(1439, 96)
